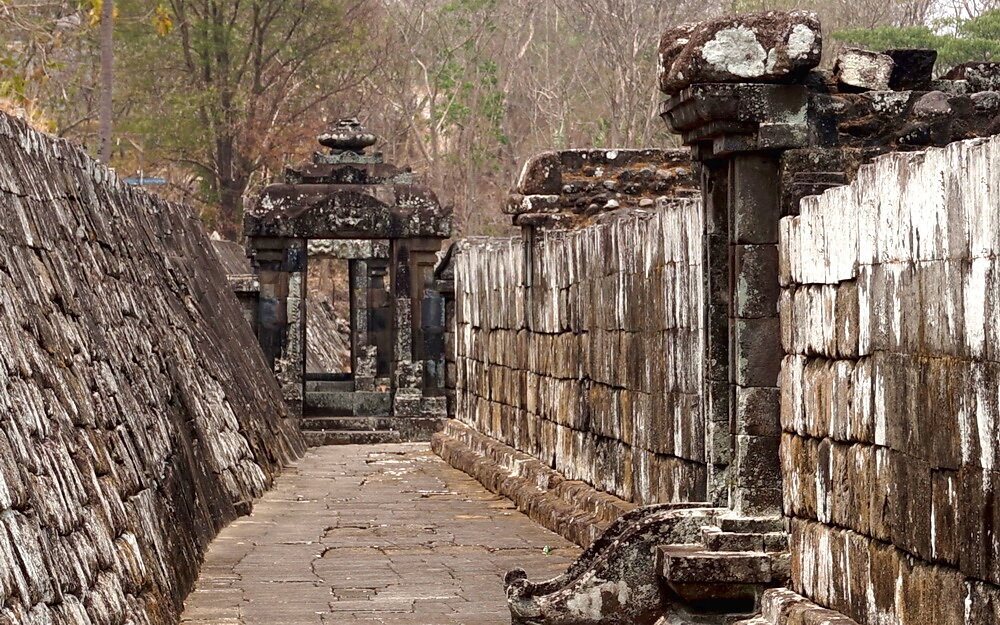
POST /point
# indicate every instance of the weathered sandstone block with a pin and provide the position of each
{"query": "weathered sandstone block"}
(761, 47)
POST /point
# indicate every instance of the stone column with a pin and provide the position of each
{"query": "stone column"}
(738, 133)
(362, 352)
(406, 374)
(379, 316)
(755, 337)
(280, 265)
(717, 391)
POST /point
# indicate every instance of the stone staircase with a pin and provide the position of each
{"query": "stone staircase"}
(721, 578)
(334, 413)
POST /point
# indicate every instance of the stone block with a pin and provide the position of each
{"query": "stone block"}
(762, 47)
(758, 352)
(755, 206)
(983, 603)
(799, 458)
(864, 69)
(757, 288)
(758, 411)
(406, 403)
(912, 68)
(758, 481)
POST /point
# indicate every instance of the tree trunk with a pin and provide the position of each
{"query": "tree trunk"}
(229, 223)
(231, 183)
(107, 80)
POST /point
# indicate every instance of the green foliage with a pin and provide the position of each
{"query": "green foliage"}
(956, 41)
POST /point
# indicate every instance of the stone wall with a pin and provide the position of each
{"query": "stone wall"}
(582, 348)
(890, 407)
(137, 416)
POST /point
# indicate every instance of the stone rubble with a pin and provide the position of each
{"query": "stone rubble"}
(864, 69)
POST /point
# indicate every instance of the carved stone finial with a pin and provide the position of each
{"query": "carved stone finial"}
(347, 135)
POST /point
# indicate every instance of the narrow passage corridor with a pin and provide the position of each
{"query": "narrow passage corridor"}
(372, 534)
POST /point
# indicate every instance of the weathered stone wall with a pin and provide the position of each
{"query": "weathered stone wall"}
(583, 348)
(137, 416)
(890, 404)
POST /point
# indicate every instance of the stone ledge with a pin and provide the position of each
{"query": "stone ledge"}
(780, 606)
(573, 509)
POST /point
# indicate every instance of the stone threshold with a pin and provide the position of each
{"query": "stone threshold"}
(573, 509)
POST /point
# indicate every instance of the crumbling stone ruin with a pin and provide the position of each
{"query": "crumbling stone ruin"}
(137, 415)
(351, 205)
(755, 377)
(763, 396)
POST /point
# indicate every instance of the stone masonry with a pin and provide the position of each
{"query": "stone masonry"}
(544, 324)
(756, 377)
(137, 416)
(827, 360)
(351, 205)
(889, 406)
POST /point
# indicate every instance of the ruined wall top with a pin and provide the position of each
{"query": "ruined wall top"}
(569, 187)
(348, 194)
(753, 82)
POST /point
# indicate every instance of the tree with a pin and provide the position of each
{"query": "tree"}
(230, 87)
(106, 112)
(46, 56)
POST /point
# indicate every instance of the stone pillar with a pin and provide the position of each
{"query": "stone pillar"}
(717, 391)
(363, 354)
(280, 265)
(738, 133)
(406, 374)
(755, 338)
(423, 258)
(380, 316)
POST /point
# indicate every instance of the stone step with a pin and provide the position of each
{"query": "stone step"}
(322, 386)
(346, 437)
(346, 423)
(361, 403)
(715, 539)
(691, 563)
(713, 579)
(752, 525)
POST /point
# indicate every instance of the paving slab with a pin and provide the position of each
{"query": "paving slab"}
(372, 534)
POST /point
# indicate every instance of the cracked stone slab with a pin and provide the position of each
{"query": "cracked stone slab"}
(378, 534)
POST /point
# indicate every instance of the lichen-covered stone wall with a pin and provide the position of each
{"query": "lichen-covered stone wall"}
(137, 416)
(583, 348)
(890, 408)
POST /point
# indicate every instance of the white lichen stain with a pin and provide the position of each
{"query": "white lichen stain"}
(800, 41)
(736, 51)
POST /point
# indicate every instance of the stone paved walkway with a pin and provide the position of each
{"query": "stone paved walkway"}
(379, 534)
